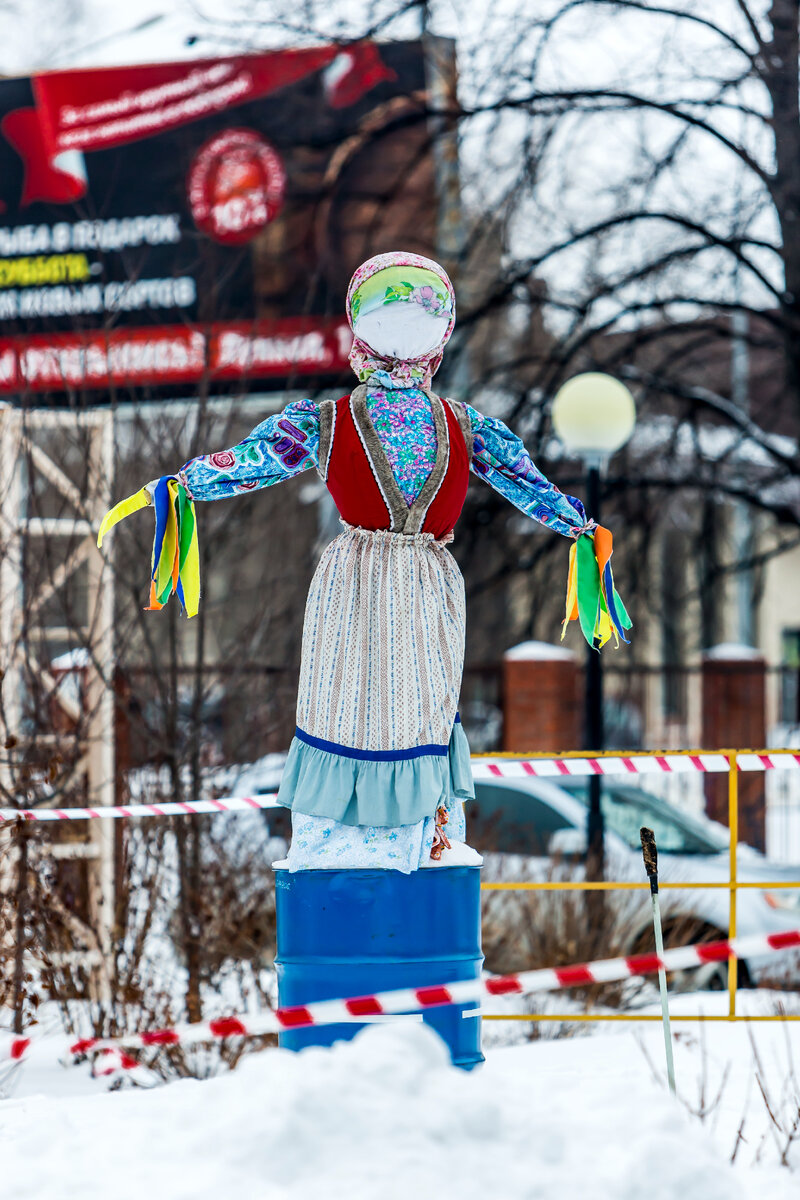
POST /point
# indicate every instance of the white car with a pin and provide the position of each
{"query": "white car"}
(535, 828)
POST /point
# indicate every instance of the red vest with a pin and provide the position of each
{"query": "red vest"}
(356, 476)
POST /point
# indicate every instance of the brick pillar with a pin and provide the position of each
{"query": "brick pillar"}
(542, 698)
(734, 718)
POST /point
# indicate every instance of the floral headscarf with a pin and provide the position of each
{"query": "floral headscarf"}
(405, 278)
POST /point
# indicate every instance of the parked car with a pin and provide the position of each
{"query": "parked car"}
(535, 827)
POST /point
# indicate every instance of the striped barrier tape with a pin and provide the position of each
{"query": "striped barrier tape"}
(482, 768)
(168, 809)
(408, 1000)
(634, 764)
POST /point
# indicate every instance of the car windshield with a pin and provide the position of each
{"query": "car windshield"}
(626, 810)
(511, 821)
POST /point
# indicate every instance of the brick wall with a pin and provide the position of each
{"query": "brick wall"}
(542, 699)
(734, 717)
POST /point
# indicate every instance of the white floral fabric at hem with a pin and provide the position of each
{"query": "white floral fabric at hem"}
(319, 843)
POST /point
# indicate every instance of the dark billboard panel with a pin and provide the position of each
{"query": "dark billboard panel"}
(165, 223)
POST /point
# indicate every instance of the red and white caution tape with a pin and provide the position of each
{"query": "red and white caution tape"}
(482, 768)
(408, 1000)
(634, 764)
(168, 809)
(656, 764)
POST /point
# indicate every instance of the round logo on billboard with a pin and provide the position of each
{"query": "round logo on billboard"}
(236, 185)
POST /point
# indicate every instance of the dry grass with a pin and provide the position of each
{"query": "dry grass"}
(140, 983)
(528, 930)
(769, 1127)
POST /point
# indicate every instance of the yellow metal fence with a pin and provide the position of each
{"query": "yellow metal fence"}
(732, 885)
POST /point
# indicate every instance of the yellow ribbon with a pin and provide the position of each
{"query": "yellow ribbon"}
(131, 504)
(572, 590)
(166, 573)
(190, 576)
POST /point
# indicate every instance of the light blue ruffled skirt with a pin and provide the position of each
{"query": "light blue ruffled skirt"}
(321, 783)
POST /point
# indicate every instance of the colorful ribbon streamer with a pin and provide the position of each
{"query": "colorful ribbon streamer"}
(592, 599)
(175, 565)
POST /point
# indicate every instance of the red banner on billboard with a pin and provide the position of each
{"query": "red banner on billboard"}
(79, 111)
(174, 354)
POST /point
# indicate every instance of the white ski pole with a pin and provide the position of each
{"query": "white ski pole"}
(650, 855)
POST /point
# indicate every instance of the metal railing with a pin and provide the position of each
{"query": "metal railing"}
(732, 885)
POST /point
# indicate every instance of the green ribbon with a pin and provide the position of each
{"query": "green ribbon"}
(588, 579)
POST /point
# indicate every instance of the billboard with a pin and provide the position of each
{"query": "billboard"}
(172, 222)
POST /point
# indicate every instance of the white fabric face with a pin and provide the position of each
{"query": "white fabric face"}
(403, 330)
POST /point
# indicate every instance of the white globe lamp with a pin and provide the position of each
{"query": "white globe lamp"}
(593, 415)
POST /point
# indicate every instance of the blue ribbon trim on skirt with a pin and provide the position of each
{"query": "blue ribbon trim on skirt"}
(371, 755)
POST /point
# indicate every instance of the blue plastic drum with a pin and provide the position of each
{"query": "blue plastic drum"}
(357, 932)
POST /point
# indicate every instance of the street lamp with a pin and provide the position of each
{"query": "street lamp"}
(594, 415)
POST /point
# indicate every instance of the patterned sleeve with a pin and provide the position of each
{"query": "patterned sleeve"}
(500, 458)
(281, 446)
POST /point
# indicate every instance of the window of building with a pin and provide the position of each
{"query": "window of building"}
(790, 677)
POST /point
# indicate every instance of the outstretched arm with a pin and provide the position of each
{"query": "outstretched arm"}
(501, 459)
(281, 446)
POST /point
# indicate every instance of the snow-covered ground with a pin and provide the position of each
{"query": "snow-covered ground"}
(387, 1117)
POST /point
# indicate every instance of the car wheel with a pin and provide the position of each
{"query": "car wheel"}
(713, 977)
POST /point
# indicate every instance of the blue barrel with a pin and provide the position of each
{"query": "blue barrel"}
(357, 932)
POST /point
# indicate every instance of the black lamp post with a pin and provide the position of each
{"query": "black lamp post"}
(594, 734)
(594, 415)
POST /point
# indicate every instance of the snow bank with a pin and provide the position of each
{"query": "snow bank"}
(459, 855)
(538, 652)
(385, 1117)
(73, 660)
(733, 652)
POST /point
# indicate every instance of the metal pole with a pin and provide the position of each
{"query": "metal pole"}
(594, 734)
(18, 1002)
(650, 855)
(12, 508)
(733, 823)
(100, 705)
